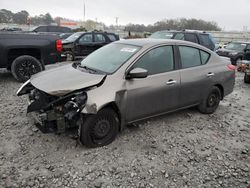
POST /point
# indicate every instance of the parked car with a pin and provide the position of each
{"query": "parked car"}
(84, 43)
(125, 82)
(236, 51)
(25, 54)
(202, 38)
(51, 29)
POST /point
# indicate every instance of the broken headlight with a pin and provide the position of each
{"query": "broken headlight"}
(75, 105)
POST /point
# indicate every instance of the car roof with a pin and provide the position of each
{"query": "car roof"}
(153, 42)
(185, 31)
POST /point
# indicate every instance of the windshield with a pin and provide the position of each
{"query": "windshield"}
(110, 57)
(236, 46)
(73, 37)
(162, 35)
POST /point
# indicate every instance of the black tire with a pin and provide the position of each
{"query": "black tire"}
(24, 66)
(247, 78)
(211, 102)
(69, 56)
(99, 129)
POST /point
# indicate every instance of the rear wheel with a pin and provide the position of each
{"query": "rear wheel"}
(211, 102)
(69, 56)
(24, 66)
(100, 129)
(247, 78)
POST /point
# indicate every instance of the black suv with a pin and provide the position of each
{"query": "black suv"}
(199, 37)
(236, 51)
(84, 43)
(51, 29)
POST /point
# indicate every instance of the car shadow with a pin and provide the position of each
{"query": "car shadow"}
(6, 75)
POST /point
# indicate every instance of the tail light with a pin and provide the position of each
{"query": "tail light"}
(59, 45)
(231, 67)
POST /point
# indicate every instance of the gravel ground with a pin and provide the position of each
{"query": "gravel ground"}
(182, 149)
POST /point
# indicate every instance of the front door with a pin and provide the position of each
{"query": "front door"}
(157, 93)
(84, 46)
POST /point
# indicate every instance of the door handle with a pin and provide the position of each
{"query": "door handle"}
(171, 82)
(210, 74)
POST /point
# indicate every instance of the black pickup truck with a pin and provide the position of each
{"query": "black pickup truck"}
(25, 54)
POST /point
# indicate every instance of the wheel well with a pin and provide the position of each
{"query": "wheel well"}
(221, 90)
(114, 107)
(14, 53)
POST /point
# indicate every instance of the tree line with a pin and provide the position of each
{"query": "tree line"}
(175, 24)
(23, 17)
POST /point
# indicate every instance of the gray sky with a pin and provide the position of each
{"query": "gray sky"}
(229, 14)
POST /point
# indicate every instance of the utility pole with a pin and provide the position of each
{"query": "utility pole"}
(116, 21)
(84, 12)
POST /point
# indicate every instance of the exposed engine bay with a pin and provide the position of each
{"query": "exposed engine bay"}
(54, 113)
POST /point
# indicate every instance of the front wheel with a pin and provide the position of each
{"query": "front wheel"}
(247, 78)
(211, 102)
(99, 129)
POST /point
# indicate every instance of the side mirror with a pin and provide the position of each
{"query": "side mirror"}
(137, 73)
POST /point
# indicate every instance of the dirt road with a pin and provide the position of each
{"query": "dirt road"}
(182, 149)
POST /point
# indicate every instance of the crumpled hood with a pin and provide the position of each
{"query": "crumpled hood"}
(63, 80)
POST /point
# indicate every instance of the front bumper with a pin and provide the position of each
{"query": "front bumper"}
(49, 121)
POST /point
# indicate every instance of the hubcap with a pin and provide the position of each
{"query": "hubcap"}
(69, 57)
(213, 100)
(101, 129)
(26, 69)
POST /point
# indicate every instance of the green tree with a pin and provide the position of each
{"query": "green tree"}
(20, 17)
(6, 16)
(48, 19)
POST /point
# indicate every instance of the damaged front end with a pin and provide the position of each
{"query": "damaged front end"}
(54, 113)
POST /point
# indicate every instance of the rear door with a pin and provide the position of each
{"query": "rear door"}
(191, 37)
(100, 40)
(84, 45)
(196, 75)
(157, 93)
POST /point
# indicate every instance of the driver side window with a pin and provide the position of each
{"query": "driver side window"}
(157, 61)
(87, 38)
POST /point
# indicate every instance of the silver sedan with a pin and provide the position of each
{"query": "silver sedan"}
(125, 82)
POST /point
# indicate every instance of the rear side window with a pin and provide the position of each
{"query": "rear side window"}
(205, 39)
(192, 57)
(157, 61)
(179, 36)
(204, 57)
(66, 30)
(111, 37)
(191, 37)
(99, 38)
(41, 29)
(54, 29)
